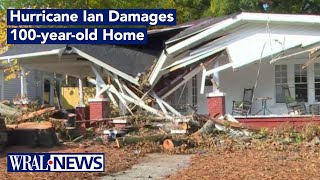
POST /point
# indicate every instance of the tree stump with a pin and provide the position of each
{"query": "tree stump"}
(3, 134)
(32, 134)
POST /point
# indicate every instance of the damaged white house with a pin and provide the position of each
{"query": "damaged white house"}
(251, 65)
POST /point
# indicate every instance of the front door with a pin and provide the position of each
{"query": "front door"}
(51, 91)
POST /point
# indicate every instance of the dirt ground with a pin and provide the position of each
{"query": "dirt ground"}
(253, 164)
(116, 160)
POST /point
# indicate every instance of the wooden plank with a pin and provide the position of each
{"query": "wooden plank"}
(154, 77)
(170, 108)
(220, 68)
(160, 103)
(130, 99)
(186, 78)
(203, 80)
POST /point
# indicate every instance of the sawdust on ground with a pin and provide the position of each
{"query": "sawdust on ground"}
(115, 160)
(253, 164)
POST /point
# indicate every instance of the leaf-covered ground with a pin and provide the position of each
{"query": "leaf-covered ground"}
(253, 164)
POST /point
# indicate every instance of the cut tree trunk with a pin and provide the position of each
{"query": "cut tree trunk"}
(171, 144)
(168, 145)
(32, 134)
(3, 134)
(130, 140)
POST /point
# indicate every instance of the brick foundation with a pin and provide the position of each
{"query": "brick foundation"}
(280, 122)
(216, 104)
(82, 114)
(98, 109)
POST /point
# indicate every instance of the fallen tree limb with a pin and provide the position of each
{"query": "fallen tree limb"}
(9, 111)
(206, 128)
(130, 140)
(35, 114)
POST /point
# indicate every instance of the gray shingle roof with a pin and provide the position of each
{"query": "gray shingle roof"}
(30, 48)
(128, 60)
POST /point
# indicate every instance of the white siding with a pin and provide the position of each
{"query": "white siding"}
(11, 89)
(244, 44)
(233, 83)
(34, 86)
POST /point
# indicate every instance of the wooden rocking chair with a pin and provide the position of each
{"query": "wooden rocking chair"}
(243, 107)
(293, 105)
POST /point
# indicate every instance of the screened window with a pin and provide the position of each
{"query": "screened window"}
(194, 91)
(301, 83)
(317, 82)
(281, 82)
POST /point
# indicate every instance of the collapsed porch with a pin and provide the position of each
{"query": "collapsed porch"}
(119, 89)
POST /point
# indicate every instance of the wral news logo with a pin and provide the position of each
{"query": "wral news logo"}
(55, 162)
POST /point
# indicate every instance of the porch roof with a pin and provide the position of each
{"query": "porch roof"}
(121, 59)
(128, 62)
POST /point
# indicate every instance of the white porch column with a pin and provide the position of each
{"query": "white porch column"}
(99, 80)
(52, 89)
(97, 87)
(81, 102)
(23, 84)
(215, 79)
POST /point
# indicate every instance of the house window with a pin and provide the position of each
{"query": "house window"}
(301, 83)
(317, 82)
(281, 82)
(194, 91)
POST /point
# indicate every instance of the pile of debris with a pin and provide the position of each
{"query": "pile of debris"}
(199, 133)
(183, 135)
